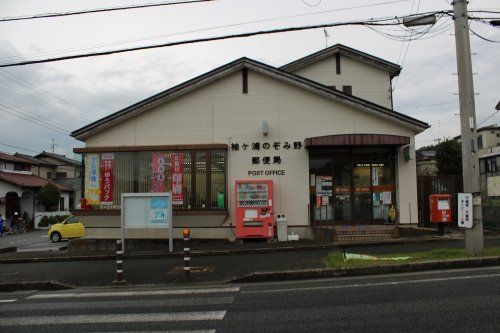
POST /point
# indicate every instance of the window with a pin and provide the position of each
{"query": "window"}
(197, 178)
(333, 87)
(61, 203)
(347, 90)
(480, 141)
(49, 175)
(61, 174)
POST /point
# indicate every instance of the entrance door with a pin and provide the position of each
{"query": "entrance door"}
(321, 203)
(362, 193)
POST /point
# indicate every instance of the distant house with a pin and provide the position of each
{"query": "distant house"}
(67, 172)
(19, 186)
(426, 162)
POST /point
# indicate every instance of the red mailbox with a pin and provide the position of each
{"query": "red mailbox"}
(440, 205)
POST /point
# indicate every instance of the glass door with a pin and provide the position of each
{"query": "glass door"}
(321, 190)
(362, 193)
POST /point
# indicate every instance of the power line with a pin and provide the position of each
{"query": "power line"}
(37, 122)
(372, 22)
(95, 46)
(483, 38)
(98, 10)
(43, 93)
(33, 117)
(22, 148)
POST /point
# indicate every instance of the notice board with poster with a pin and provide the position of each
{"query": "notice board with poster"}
(147, 211)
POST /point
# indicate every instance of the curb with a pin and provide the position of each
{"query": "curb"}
(8, 249)
(367, 270)
(200, 253)
(34, 285)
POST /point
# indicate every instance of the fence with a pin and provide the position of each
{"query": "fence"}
(40, 215)
(427, 185)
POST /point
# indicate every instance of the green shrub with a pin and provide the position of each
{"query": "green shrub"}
(44, 222)
(53, 220)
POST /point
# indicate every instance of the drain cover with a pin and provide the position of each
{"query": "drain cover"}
(195, 269)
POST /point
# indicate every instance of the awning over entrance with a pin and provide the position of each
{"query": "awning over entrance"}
(357, 140)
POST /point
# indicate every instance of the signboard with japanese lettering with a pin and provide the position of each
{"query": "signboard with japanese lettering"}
(176, 170)
(92, 179)
(107, 164)
(270, 152)
(147, 211)
(158, 172)
(465, 210)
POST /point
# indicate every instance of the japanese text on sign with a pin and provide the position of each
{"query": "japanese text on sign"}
(176, 171)
(107, 164)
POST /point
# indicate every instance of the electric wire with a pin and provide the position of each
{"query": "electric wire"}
(40, 94)
(371, 22)
(31, 120)
(38, 119)
(34, 88)
(483, 38)
(99, 10)
(97, 46)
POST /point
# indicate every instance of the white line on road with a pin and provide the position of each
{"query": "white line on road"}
(377, 284)
(113, 318)
(7, 300)
(195, 331)
(140, 293)
(121, 304)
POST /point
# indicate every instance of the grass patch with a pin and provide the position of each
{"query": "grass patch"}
(336, 259)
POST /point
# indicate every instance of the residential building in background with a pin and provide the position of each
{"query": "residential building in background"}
(19, 186)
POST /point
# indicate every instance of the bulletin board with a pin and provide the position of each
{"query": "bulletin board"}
(147, 211)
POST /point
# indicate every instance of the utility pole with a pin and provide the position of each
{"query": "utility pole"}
(470, 161)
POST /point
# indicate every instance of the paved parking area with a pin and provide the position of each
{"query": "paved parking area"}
(36, 240)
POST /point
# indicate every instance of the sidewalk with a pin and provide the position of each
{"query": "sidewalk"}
(224, 263)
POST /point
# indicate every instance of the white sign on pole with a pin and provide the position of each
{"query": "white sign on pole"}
(465, 210)
(147, 211)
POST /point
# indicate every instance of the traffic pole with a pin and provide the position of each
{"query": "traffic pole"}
(187, 258)
(119, 264)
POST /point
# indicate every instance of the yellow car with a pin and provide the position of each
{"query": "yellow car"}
(69, 228)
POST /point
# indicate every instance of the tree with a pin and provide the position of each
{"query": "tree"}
(48, 196)
(449, 158)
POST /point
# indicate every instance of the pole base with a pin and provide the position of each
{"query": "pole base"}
(119, 282)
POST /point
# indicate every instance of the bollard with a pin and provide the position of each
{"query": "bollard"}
(187, 258)
(119, 263)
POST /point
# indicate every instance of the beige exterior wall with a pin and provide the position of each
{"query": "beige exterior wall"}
(69, 169)
(220, 113)
(368, 82)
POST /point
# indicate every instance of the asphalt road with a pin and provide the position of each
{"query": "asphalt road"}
(36, 240)
(439, 301)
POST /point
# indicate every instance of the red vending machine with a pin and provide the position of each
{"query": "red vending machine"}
(254, 209)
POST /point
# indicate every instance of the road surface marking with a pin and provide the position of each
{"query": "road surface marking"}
(376, 284)
(122, 304)
(113, 318)
(195, 331)
(140, 293)
(7, 300)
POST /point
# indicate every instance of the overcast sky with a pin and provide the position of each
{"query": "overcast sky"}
(70, 94)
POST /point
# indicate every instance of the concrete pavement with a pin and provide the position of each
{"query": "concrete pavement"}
(217, 262)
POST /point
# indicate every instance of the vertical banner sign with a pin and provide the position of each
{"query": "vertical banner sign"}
(158, 172)
(176, 170)
(92, 188)
(107, 165)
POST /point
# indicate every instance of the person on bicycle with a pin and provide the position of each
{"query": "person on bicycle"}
(1, 225)
(14, 223)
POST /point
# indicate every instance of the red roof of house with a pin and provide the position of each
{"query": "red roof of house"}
(25, 180)
(11, 158)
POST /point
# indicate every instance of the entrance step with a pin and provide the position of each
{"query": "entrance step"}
(345, 233)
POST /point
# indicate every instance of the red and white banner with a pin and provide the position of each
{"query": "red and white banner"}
(158, 172)
(176, 170)
(107, 165)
